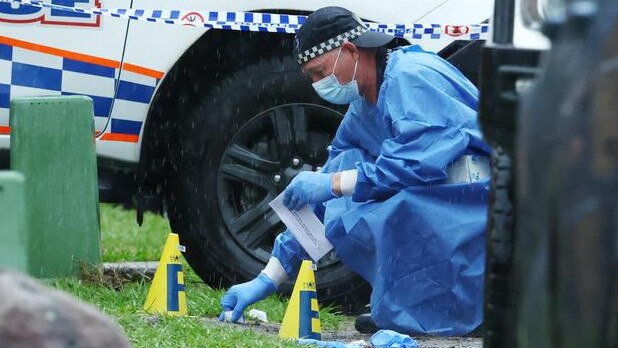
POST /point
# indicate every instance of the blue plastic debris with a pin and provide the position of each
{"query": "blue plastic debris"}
(392, 339)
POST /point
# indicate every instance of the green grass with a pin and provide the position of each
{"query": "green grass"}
(146, 330)
(123, 240)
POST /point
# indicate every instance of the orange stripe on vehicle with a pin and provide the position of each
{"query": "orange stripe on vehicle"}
(80, 57)
(5, 130)
(142, 71)
(59, 52)
(127, 138)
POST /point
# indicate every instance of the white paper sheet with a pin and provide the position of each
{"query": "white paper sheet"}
(305, 226)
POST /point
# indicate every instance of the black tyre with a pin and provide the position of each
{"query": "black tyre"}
(246, 141)
(499, 261)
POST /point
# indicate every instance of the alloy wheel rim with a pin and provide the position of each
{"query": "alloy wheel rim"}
(262, 158)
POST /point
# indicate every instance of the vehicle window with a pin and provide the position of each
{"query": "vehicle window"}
(535, 12)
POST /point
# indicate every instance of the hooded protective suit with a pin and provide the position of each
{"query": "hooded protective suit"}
(418, 240)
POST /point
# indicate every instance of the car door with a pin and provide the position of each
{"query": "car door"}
(52, 52)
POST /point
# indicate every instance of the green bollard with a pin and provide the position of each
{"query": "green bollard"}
(13, 243)
(52, 144)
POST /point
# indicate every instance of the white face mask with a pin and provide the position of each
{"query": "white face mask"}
(334, 92)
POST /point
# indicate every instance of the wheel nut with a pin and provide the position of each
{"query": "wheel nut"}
(277, 178)
(296, 161)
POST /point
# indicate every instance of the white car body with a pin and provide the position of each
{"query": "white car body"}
(121, 63)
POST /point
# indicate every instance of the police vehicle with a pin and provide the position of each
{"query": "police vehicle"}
(206, 126)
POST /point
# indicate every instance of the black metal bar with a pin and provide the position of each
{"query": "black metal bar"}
(504, 17)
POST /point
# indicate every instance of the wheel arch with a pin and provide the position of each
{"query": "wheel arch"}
(209, 60)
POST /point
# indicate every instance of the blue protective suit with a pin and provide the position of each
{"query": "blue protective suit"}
(418, 241)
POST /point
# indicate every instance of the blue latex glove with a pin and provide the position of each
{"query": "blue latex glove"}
(239, 296)
(308, 187)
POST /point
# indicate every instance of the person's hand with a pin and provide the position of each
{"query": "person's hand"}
(308, 187)
(239, 296)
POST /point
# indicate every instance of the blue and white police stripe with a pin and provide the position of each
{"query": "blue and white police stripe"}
(264, 22)
(28, 74)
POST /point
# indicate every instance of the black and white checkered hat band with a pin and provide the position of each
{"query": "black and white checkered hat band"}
(330, 44)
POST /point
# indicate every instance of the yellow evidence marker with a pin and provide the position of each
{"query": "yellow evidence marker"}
(302, 317)
(167, 292)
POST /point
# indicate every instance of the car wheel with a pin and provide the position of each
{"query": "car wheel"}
(499, 261)
(244, 144)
